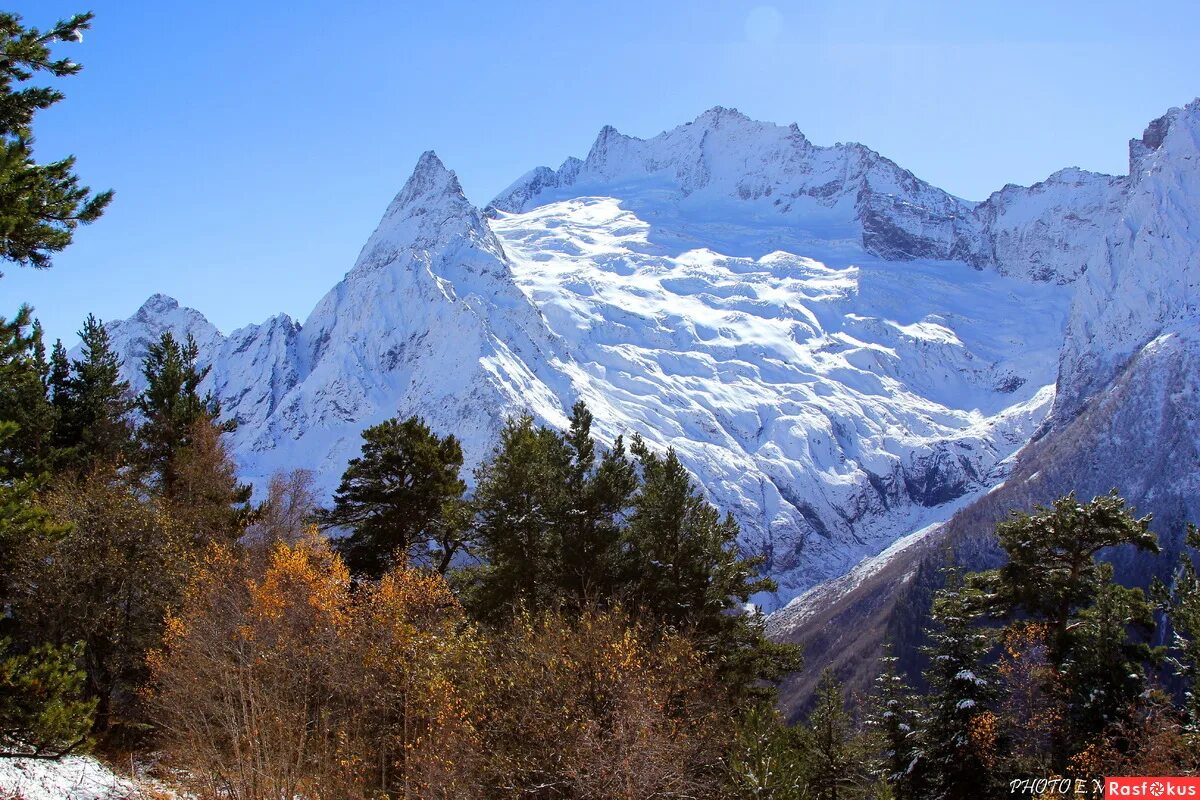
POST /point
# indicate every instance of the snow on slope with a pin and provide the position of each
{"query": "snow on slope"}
(1127, 410)
(787, 192)
(784, 192)
(69, 778)
(839, 351)
(827, 406)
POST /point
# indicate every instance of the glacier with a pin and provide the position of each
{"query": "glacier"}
(841, 353)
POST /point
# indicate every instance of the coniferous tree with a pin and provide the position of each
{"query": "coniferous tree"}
(181, 444)
(834, 755)
(1053, 575)
(43, 713)
(400, 499)
(519, 498)
(895, 721)
(1052, 570)
(959, 728)
(555, 539)
(92, 401)
(1182, 603)
(42, 708)
(1105, 671)
(57, 382)
(171, 404)
(598, 494)
(766, 761)
(24, 401)
(685, 569)
(40, 204)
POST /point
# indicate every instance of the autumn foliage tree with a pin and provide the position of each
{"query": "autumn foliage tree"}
(287, 683)
(599, 707)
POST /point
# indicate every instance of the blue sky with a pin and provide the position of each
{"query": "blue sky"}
(254, 145)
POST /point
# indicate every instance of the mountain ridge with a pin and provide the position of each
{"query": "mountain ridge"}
(839, 351)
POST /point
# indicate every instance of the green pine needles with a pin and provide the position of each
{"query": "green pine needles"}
(40, 204)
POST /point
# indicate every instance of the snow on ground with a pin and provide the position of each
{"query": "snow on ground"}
(69, 778)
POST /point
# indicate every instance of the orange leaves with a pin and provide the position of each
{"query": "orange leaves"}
(278, 678)
(600, 707)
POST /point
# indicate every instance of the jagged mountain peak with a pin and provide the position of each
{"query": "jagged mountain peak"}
(430, 184)
(427, 214)
(157, 303)
(1157, 131)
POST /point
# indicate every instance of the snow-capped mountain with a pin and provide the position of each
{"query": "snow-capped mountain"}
(841, 353)
(1126, 415)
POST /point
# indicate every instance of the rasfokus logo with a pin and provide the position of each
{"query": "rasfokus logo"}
(1152, 788)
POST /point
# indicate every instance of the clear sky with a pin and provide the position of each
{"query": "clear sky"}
(253, 145)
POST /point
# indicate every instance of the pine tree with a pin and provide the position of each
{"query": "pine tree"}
(519, 501)
(1182, 603)
(1052, 570)
(42, 709)
(959, 729)
(765, 759)
(181, 447)
(57, 381)
(43, 713)
(896, 721)
(92, 401)
(24, 401)
(171, 404)
(834, 757)
(1054, 575)
(40, 205)
(684, 568)
(598, 494)
(1105, 670)
(400, 499)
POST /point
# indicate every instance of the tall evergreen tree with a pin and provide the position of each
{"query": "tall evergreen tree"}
(1182, 603)
(24, 400)
(896, 721)
(766, 760)
(1054, 575)
(60, 375)
(961, 687)
(684, 568)
(519, 500)
(172, 404)
(1105, 669)
(400, 498)
(1052, 570)
(835, 758)
(181, 447)
(40, 204)
(598, 493)
(93, 402)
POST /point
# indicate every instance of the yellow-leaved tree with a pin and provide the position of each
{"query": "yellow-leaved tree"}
(283, 682)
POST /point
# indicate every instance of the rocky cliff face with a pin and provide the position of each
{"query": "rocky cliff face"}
(841, 353)
(1144, 271)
